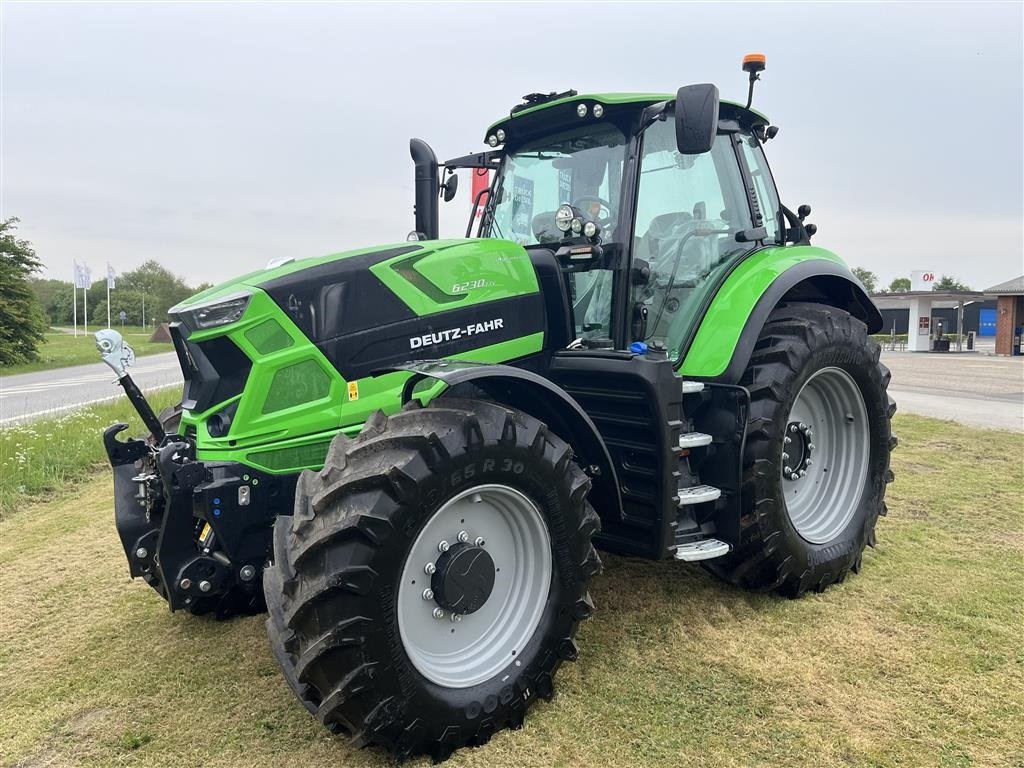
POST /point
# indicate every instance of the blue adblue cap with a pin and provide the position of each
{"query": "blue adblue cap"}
(638, 348)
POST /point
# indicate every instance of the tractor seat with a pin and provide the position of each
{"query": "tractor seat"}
(668, 226)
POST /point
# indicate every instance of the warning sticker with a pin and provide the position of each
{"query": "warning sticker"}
(353, 390)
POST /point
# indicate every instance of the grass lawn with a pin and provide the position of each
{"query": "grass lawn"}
(63, 349)
(917, 661)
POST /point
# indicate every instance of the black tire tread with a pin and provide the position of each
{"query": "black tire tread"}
(791, 335)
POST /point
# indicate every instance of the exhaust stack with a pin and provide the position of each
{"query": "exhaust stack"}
(425, 208)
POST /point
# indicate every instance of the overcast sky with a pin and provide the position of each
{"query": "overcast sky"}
(215, 137)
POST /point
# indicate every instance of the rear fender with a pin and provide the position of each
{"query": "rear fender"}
(535, 395)
(729, 329)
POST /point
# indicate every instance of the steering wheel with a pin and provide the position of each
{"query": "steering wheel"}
(605, 215)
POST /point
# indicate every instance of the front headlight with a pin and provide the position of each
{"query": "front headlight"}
(211, 315)
(563, 217)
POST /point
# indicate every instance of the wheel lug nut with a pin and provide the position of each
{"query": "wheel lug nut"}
(788, 440)
(810, 446)
(428, 594)
(463, 536)
(793, 427)
(794, 476)
(185, 584)
(785, 456)
(438, 613)
(429, 568)
(479, 541)
(787, 471)
(141, 553)
(442, 546)
(809, 433)
(803, 472)
(247, 573)
(205, 586)
(456, 618)
(807, 463)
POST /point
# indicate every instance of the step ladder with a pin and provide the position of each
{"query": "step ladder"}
(692, 548)
(705, 549)
(689, 440)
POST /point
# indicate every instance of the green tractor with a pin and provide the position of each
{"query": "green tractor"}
(408, 455)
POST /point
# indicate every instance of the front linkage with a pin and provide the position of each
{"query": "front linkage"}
(198, 532)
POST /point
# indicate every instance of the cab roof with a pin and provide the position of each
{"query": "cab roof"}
(730, 108)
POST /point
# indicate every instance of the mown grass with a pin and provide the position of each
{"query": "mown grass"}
(48, 456)
(60, 350)
(917, 661)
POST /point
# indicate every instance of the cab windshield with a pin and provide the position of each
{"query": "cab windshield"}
(582, 166)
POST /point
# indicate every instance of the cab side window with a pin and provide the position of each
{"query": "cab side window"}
(767, 196)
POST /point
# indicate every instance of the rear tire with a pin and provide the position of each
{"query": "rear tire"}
(814, 375)
(346, 589)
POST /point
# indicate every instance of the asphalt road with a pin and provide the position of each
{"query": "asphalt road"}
(32, 395)
(973, 389)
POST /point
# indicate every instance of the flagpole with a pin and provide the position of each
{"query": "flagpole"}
(85, 309)
(108, 295)
(74, 297)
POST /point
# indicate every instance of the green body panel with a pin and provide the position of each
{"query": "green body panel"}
(314, 424)
(295, 400)
(727, 315)
(458, 273)
(608, 99)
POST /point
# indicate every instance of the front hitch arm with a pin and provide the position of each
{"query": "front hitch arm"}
(118, 355)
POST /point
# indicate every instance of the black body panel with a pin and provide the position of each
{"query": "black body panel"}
(341, 296)
(357, 354)
(634, 400)
(214, 370)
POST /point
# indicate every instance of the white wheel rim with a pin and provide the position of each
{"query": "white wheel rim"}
(460, 654)
(830, 478)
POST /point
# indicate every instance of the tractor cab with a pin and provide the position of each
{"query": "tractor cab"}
(645, 215)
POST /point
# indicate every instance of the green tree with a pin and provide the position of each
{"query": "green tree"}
(22, 323)
(55, 297)
(162, 288)
(949, 283)
(869, 278)
(900, 285)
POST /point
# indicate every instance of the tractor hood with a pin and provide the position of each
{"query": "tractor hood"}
(380, 306)
(461, 259)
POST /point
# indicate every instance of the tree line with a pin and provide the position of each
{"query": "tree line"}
(902, 284)
(151, 285)
(30, 304)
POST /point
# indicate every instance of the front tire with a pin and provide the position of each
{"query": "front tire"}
(352, 598)
(816, 461)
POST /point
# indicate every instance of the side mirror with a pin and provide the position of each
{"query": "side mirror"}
(450, 187)
(696, 118)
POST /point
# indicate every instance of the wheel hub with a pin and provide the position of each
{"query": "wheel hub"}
(463, 579)
(796, 457)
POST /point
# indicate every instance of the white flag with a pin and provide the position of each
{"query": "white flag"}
(110, 277)
(86, 276)
(79, 280)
